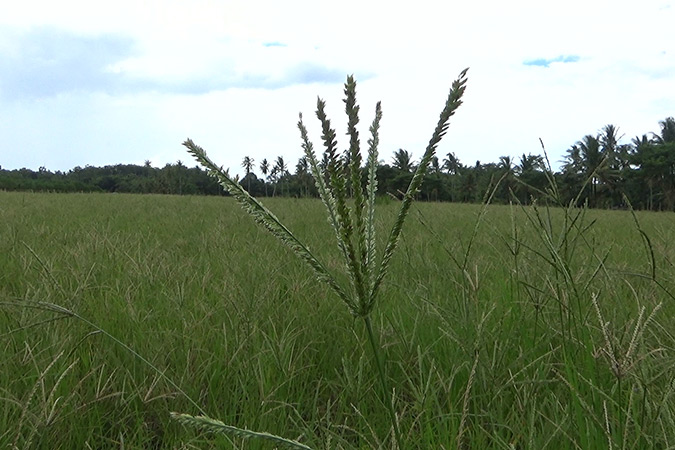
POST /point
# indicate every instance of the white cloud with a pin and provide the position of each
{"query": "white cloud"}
(135, 79)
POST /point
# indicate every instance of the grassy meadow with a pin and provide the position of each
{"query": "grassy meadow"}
(503, 327)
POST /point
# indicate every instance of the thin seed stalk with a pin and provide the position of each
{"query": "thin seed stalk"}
(387, 396)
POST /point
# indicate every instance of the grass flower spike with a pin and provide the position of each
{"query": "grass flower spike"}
(339, 186)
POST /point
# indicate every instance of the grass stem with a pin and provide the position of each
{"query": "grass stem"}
(387, 397)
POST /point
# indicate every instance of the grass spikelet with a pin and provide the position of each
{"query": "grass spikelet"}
(371, 188)
(453, 102)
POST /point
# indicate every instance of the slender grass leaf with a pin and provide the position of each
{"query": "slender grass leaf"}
(265, 217)
(216, 426)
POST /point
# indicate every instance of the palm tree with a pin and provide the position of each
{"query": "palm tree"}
(280, 170)
(302, 173)
(667, 131)
(591, 161)
(609, 138)
(641, 142)
(614, 160)
(435, 165)
(573, 163)
(147, 168)
(281, 167)
(505, 165)
(302, 167)
(451, 164)
(530, 163)
(247, 164)
(403, 160)
(265, 169)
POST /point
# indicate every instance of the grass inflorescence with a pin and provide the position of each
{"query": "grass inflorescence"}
(354, 226)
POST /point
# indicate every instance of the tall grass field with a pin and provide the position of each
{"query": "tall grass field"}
(502, 327)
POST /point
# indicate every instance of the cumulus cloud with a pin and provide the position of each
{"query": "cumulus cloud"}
(46, 62)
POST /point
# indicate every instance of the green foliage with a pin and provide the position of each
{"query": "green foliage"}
(642, 171)
(120, 178)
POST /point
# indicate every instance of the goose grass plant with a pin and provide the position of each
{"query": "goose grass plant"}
(574, 272)
(576, 289)
(354, 225)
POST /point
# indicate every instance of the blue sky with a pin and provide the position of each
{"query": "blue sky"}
(543, 62)
(129, 81)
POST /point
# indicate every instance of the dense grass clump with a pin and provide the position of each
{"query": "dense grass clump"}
(540, 328)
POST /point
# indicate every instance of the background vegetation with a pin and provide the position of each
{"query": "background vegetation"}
(643, 170)
(504, 326)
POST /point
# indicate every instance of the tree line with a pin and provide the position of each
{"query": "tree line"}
(597, 170)
(129, 178)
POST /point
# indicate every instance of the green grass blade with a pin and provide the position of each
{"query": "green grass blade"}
(265, 217)
(216, 426)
